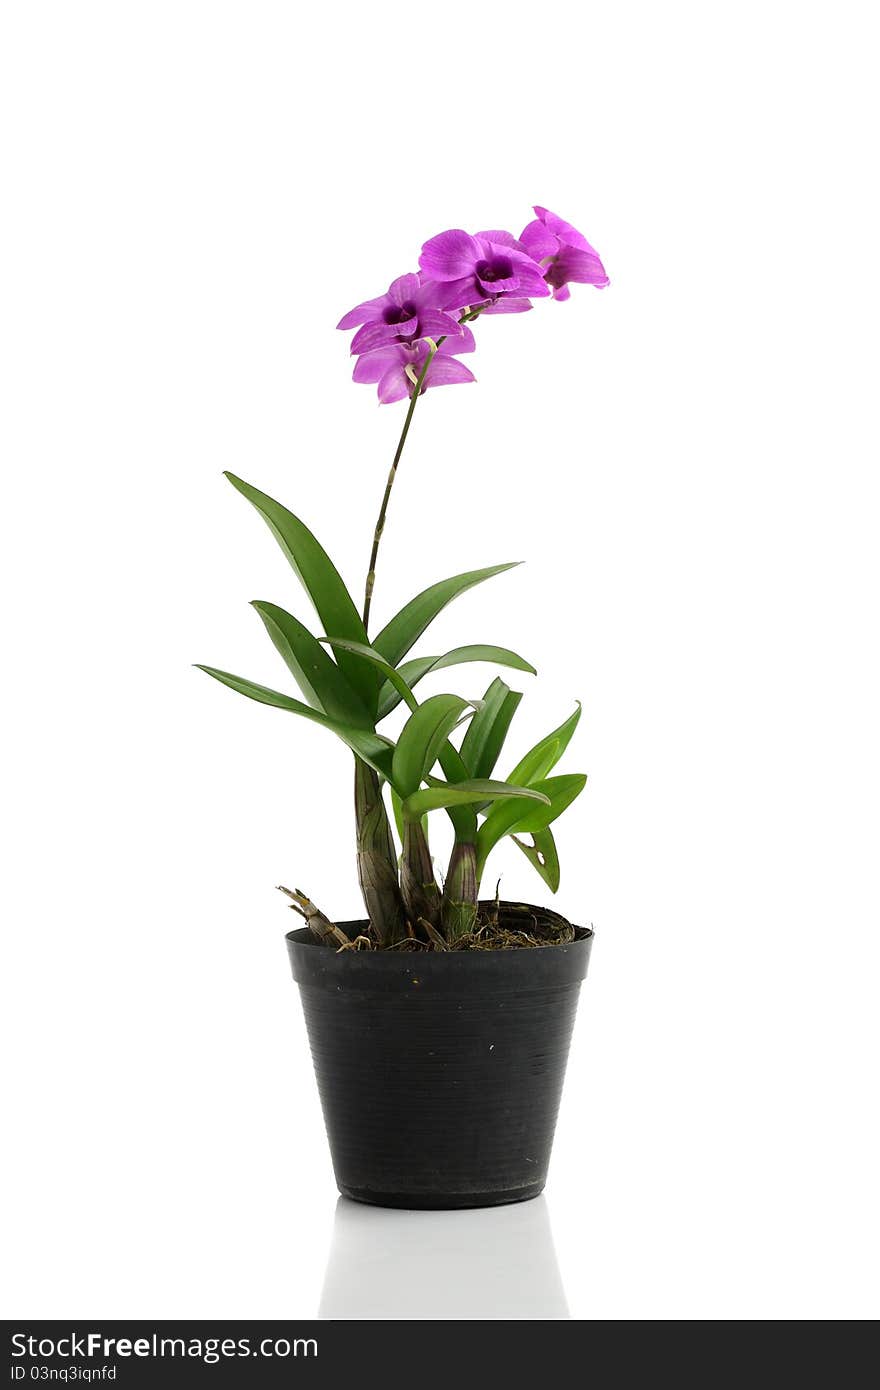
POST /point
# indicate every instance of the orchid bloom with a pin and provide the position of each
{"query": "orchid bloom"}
(564, 252)
(396, 367)
(411, 309)
(492, 271)
(419, 322)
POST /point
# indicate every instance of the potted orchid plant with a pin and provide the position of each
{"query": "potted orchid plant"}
(439, 1023)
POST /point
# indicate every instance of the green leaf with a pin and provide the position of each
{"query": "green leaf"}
(396, 805)
(413, 671)
(488, 728)
(464, 817)
(321, 581)
(502, 819)
(478, 789)
(542, 855)
(560, 792)
(546, 754)
(396, 639)
(372, 747)
(316, 674)
(394, 679)
(421, 739)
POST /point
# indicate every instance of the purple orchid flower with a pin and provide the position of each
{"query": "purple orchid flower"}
(565, 253)
(413, 308)
(397, 367)
(492, 271)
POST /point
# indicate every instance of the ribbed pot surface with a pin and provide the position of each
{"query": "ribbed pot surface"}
(439, 1073)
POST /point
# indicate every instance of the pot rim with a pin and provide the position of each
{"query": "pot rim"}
(520, 969)
(304, 936)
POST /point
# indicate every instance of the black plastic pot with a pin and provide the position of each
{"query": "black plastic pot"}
(440, 1073)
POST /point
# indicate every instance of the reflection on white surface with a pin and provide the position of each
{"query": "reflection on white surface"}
(497, 1262)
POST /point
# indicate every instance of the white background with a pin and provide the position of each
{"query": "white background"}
(194, 193)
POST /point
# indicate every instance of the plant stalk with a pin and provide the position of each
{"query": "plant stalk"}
(415, 894)
(421, 896)
(376, 858)
(458, 913)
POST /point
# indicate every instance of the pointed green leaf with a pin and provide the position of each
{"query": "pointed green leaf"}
(546, 754)
(488, 728)
(543, 856)
(372, 747)
(396, 805)
(393, 678)
(478, 789)
(410, 671)
(316, 674)
(464, 817)
(260, 692)
(413, 671)
(560, 792)
(421, 739)
(321, 581)
(396, 639)
(502, 819)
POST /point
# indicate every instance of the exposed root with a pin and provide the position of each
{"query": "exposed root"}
(408, 943)
(499, 926)
(494, 910)
(360, 943)
(513, 926)
(433, 935)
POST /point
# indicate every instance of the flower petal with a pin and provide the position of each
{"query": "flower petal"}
(404, 288)
(363, 313)
(374, 335)
(431, 294)
(504, 239)
(531, 282)
(499, 285)
(456, 346)
(448, 371)
(434, 324)
(566, 233)
(461, 294)
(450, 255)
(583, 267)
(529, 275)
(373, 365)
(509, 304)
(394, 385)
(539, 241)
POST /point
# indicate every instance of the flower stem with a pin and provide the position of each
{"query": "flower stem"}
(383, 510)
(389, 894)
(467, 317)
